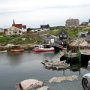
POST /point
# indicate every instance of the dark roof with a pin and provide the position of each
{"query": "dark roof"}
(84, 23)
(44, 26)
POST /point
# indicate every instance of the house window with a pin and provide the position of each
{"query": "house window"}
(65, 36)
(60, 35)
(19, 31)
(9, 33)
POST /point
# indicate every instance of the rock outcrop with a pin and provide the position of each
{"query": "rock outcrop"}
(60, 79)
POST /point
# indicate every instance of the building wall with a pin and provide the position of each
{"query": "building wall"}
(89, 24)
(72, 23)
(13, 31)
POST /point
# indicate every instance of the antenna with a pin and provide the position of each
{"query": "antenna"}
(13, 22)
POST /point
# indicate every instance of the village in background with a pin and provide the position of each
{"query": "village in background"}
(70, 43)
(72, 27)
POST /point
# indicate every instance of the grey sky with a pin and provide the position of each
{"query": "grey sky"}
(36, 12)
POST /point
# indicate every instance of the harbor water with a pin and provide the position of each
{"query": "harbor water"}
(17, 67)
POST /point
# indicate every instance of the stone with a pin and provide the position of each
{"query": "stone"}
(29, 84)
(63, 78)
(44, 88)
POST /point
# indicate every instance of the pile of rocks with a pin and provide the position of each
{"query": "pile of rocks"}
(63, 78)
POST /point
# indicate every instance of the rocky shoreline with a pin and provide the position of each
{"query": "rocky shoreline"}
(27, 47)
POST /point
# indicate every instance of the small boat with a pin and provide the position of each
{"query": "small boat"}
(16, 49)
(41, 48)
(3, 51)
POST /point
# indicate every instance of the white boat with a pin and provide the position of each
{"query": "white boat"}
(3, 51)
(41, 48)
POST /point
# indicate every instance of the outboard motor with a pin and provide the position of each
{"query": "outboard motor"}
(86, 81)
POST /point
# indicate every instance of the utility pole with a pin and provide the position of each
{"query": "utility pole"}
(79, 54)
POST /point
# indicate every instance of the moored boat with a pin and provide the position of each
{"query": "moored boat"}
(41, 48)
(3, 51)
(16, 49)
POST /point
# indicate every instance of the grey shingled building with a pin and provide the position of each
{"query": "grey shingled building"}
(72, 23)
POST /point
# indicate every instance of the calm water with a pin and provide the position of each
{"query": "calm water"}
(15, 68)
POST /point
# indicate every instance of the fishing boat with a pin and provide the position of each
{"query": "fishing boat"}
(16, 49)
(41, 48)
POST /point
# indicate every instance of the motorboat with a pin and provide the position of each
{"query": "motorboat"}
(41, 48)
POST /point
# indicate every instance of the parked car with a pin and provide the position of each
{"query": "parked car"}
(86, 81)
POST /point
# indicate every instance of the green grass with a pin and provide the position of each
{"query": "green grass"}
(36, 37)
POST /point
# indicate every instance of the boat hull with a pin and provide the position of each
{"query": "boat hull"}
(16, 50)
(3, 51)
(43, 49)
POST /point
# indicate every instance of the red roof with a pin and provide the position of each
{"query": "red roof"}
(20, 26)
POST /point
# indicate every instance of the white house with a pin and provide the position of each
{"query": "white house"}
(20, 26)
(45, 27)
(13, 31)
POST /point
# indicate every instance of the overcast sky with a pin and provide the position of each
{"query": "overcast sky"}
(36, 12)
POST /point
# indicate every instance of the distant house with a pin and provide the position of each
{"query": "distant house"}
(83, 24)
(1, 31)
(72, 23)
(83, 34)
(49, 39)
(89, 22)
(36, 30)
(44, 27)
(63, 35)
(13, 31)
(88, 36)
(20, 26)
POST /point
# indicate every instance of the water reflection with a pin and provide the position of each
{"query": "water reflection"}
(75, 65)
(17, 67)
(14, 58)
